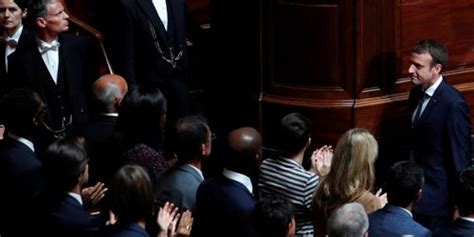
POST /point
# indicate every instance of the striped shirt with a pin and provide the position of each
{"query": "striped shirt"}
(288, 178)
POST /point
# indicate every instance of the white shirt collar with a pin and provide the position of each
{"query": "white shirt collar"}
(76, 196)
(23, 140)
(431, 90)
(17, 34)
(467, 218)
(243, 179)
(196, 169)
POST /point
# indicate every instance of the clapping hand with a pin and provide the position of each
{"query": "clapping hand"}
(321, 160)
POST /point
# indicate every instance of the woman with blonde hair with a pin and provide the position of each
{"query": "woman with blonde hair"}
(350, 180)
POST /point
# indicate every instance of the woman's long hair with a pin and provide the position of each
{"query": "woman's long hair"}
(352, 171)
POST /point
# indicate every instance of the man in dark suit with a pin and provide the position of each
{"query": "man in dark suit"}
(148, 42)
(13, 36)
(58, 67)
(441, 130)
(403, 187)
(224, 204)
(20, 169)
(179, 184)
(103, 148)
(463, 226)
(67, 171)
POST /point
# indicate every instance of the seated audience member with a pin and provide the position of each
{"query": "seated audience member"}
(224, 204)
(463, 226)
(350, 179)
(140, 126)
(67, 170)
(403, 186)
(192, 144)
(286, 176)
(132, 202)
(22, 111)
(274, 217)
(103, 149)
(349, 220)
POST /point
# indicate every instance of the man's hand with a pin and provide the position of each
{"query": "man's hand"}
(92, 195)
(321, 160)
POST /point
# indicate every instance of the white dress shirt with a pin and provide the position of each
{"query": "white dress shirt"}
(8, 49)
(50, 54)
(162, 10)
(430, 91)
(243, 179)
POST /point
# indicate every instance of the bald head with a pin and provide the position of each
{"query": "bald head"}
(245, 146)
(109, 90)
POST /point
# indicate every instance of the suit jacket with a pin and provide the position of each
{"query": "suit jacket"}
(76, 65)
(135, 51)
(223, 208)
(125, 230)
(393, 221)
(103, 149)
(67, 217)
(179, 186)
(141, 47)
(441, 146)
(460, 228)
(23, 182)
(25, 37)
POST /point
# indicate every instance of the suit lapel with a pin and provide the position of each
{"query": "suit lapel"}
(433, 101)
(149, 9)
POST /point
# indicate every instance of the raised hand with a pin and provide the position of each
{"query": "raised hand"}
(92, 195)
(321, 160)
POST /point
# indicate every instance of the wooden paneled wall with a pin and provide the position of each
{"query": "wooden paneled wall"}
(344, 63)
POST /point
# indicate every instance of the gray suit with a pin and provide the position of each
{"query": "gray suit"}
(179, 186)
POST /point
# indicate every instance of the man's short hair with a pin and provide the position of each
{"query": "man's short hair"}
(295, 130)
(191, 133)
(465, 192)
(272, 216)
(435, 48)
(404, 181)
(349, 220)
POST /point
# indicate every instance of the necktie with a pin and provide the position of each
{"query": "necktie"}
(45, 47)
(419, 108)
(8, 41)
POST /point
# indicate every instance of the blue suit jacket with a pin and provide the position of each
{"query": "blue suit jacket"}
(223, 208)
(441, 146)
(125, 230)
(460, 228)
(69, 218)
(20, 174)
(179, 186)
(393, 221)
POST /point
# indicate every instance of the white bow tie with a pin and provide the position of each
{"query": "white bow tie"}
(44, 47)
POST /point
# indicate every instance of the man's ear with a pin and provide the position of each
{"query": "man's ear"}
(41, 22)
(418, 194)
(25, 12)
(438, 67)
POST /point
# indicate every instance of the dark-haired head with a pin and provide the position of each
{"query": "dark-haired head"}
(404, 183)
(192, 138)
(21, 111)
(294, 134)
(274, 217)
(142, 117)
(65, 164)
(131, 194)
(436, 49)
(465, 192)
